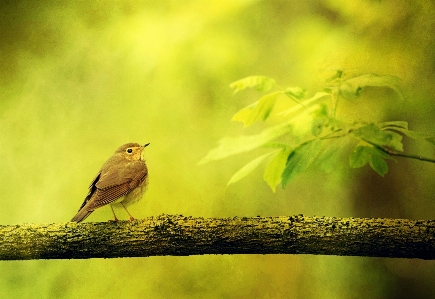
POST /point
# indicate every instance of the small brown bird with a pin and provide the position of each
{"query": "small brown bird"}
(122, 179)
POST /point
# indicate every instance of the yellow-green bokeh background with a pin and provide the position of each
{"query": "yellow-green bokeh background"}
(80, 78)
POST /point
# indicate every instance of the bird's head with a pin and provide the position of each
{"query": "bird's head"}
(131, 151)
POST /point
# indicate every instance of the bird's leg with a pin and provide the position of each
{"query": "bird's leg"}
(116, 219)
(131, 217)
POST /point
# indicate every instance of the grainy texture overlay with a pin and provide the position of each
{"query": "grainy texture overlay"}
(180, 235)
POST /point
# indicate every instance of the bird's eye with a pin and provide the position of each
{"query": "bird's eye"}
(129, 150)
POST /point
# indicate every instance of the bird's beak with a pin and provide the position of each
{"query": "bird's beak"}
(143, 152)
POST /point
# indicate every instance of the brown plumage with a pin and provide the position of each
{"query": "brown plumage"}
(122, 179)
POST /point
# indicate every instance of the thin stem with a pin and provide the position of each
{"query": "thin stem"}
(398, 154)
(384, 149)
(334, 97)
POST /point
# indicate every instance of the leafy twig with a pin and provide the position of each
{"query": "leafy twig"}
(317, 135)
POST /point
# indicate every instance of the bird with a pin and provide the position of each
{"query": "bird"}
(122, 179)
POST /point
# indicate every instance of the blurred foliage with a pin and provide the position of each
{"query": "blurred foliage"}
(323, 130)
(78, 79)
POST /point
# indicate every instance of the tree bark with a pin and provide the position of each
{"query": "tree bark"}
(179, 236)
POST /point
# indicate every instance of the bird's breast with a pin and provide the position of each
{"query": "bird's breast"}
(135, 195)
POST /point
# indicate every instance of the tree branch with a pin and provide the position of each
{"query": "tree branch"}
(179, 235)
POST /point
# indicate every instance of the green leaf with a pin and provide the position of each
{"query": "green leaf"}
(261, 83)
(317, 125)
(248, 168)
(372, 134)
(348, 91)
(378, 164)
(413, 134)
(431, 140)
(402, 127)
(351, 89)
(361, 155)
(229, 146)
(394, 124)
(244, 114)
(322, 111)
(259, 110)
(320, 120)
(338, 75)
(300, 159)
(273, 173)
(332, 151)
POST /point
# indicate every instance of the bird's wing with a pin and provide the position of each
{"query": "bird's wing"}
(82, 214)
(92, 189)
(117, 182)
(120, 174)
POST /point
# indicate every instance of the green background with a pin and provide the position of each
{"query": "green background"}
(78, 79)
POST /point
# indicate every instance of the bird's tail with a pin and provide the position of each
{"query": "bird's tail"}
(81, 215)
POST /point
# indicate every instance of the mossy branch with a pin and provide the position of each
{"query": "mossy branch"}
(180, 236)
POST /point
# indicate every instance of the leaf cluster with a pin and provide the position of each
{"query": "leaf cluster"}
(313, 134)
